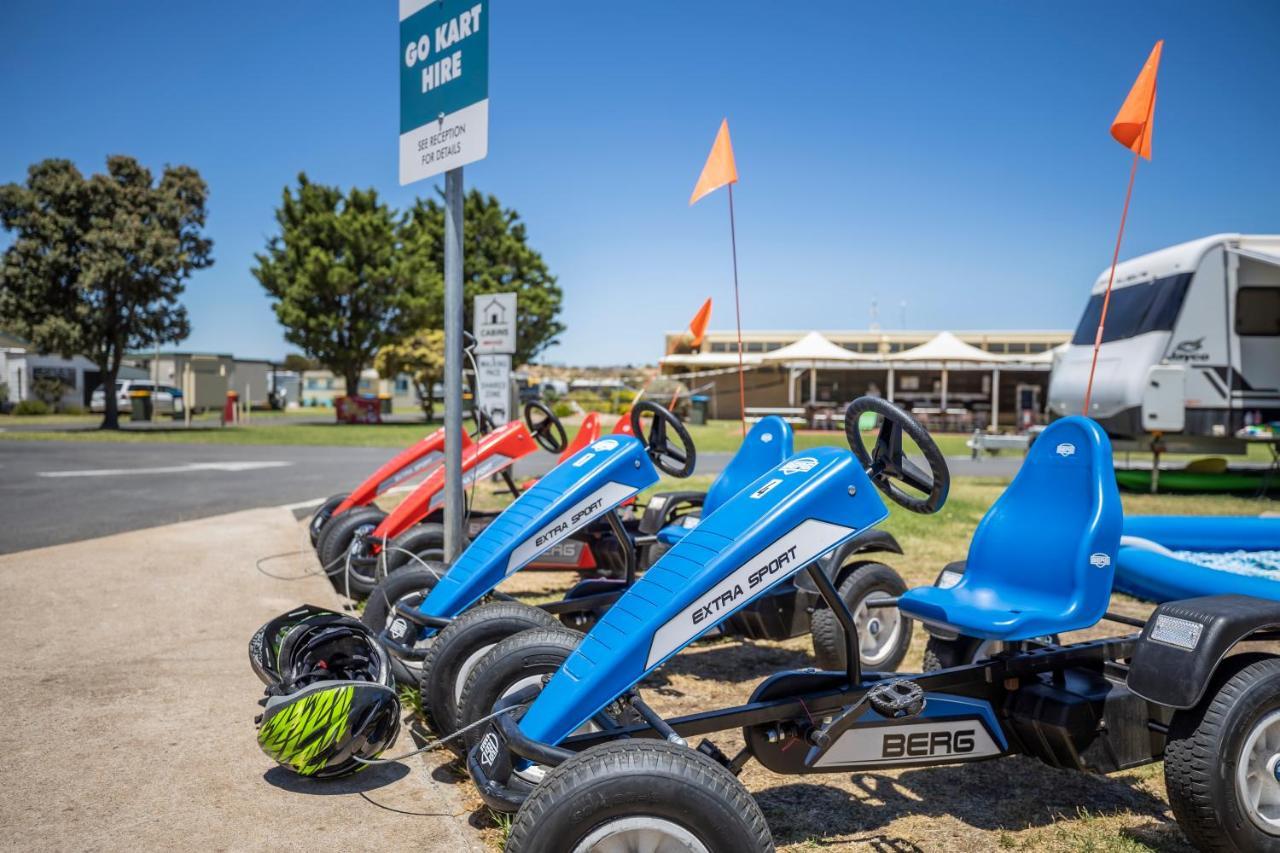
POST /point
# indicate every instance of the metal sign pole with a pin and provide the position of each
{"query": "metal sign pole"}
(453, 504)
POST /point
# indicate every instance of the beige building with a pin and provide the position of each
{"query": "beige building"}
(953, 380)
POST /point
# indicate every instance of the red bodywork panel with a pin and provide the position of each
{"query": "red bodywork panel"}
(491, 454)
(419, 457)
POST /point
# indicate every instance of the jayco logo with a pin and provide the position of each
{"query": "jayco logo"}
(797, 466)
(1066, 449)
(1189, 351)
(1100, 560)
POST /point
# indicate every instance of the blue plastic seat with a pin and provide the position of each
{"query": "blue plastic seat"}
(1043, 557)
(767, 445)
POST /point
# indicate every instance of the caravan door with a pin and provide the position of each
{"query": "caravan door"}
(1256, 321)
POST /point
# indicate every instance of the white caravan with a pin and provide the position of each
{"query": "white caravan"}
(1191, 349)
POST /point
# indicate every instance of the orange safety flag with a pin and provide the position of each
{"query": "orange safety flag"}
(698, 325)
(720, 168)
(1133, 125)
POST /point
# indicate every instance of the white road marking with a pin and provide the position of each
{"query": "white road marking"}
(189, 468)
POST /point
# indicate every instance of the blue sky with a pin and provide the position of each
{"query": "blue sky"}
(952, 156)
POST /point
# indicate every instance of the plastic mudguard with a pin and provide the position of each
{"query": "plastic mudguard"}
(790, 516)
(575, 493)
(1184, 641)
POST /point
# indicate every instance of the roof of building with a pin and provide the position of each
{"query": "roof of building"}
(814, 347)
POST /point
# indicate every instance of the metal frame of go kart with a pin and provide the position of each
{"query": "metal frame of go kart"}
(1100, 705)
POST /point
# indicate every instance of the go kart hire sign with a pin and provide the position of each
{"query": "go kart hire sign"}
(444, 85)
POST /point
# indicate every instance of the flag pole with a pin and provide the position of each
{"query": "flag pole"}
(737, 310)
(1106, 299)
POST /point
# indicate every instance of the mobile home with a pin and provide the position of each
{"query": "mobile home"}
(1191, 346)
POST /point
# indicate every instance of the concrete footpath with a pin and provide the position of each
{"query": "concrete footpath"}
(126, 722)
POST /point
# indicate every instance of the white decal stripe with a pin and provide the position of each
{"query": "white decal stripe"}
(487, 468)
(787, 555)
(590, 508)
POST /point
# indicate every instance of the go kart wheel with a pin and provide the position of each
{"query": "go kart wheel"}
(422, 541)
(517, 662)
(1221, 761)
(322, 516)
(944, 654)
(884, 633)
(459, 647)
(640, 795)
(336, 540)
(409, 586)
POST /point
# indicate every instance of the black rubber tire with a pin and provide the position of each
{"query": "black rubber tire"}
(859, 580)
(335, 540)
(536, 652)
(322, 516)
(944, 654)
(639, 778)
(426, 541)
(1202, 753)
(377, 612)
(473, 631)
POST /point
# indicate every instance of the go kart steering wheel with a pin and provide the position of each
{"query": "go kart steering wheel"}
(546, 430)
(677, 460)
(887, 463)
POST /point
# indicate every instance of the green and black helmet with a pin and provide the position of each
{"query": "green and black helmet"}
(333, 699)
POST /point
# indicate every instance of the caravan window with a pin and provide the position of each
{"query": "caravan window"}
(1135, 310)
(1258, 311)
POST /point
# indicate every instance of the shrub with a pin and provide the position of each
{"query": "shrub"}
(31, 407)
(4, 392)
(562, 410)
(71, 409)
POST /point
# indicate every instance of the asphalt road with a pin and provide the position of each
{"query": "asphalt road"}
(52, 492)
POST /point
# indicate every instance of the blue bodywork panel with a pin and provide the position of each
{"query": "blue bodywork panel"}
(1042, 559)
(575, 493)
(768, 444)
(772, 528)
(1147, 570)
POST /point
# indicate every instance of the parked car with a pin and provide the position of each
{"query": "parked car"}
(165, 399)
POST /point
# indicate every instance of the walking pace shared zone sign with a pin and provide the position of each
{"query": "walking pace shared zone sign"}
(444, 86)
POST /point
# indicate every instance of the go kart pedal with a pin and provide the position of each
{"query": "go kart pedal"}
(896, 699)
(710, 750)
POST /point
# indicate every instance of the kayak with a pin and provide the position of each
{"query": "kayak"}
(1170, 557)
(1251, 482)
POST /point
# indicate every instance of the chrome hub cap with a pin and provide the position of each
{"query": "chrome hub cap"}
(878, 629)
(1258, 774)
(640, 835)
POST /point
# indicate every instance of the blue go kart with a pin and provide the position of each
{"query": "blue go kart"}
(439, 621)
(589, 766)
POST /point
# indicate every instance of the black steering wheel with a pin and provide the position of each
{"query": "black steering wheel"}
(546, 430)
(677, 460)
(887, 463)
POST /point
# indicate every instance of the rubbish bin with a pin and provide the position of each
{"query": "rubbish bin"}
(140, 406)
(384, 403)
(230, 409)
(698, 412)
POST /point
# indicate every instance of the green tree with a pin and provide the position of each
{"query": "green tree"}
(96, 266)
(342, 286)
(422, 357)
(497, 259)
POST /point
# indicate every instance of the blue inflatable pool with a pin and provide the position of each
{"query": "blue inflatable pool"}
(1167, 557)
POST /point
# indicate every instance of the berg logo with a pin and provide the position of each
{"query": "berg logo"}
(1065, 449)
(1100, 560)
(801, 465)
(583, 459)
(765, 489)
(488, 749)
(398, 629)
(604, 444)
